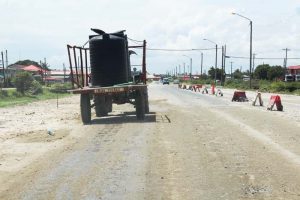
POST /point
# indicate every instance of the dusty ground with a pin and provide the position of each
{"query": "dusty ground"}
(191, 146)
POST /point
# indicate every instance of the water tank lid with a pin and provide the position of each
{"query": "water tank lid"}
(106, 37)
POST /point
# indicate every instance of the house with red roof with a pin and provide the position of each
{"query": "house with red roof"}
(293, 73)
(294, 69)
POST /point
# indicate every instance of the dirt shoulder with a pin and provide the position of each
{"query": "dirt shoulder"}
(27, 132)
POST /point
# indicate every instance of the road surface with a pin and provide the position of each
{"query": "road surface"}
(191, 146)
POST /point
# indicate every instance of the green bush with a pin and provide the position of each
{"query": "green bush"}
(3, 93)
(16, 94)
(60, 87)
(237, 84)
(35, 88)
(292, 86)
(26, 84)
(23, 82)
(278, 86)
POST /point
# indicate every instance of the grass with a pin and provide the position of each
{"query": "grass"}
(12, 98)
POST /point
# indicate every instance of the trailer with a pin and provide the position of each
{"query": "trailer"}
(102, 98)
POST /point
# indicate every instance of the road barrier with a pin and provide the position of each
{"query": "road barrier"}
(197, 88)
(219, 92)
(204, 90)
(212, 89)
(258, 96)
(275, 99)
(239, 96)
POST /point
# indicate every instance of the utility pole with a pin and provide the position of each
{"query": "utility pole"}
(191, 66)
(216, 64)
(250, 53)
(201, 63)
(3, 67)
(285, 60)
(231, 69)
(222, 65)
(6, 58)
(64, 68)
(253, 66)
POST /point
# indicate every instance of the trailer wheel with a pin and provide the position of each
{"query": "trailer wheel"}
(108, 101)
(146, 102)
(100, 106)
(140, 105)
(85, 108)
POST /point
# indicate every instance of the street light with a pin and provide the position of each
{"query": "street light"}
(250, 44)
(201, 63)
(216, 63)
(191, 62)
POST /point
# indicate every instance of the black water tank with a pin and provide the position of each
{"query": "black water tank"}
(109, 60)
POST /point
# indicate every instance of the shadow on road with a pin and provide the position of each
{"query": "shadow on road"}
(126, 117)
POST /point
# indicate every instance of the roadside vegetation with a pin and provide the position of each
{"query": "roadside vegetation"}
(265, 78)
(28, 90)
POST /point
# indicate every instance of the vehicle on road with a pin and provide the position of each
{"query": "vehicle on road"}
(176, 81)
(109, 79)
(165, 81)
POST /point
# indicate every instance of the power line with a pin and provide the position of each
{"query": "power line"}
(159, 49)
(240, 57)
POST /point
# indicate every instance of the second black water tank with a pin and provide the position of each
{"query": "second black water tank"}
(109, 60)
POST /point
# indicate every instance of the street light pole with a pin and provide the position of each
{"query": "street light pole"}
(201, 63)
(216, 62)
(231, 69)
(191, 63)
(250, 53)
(250, 45)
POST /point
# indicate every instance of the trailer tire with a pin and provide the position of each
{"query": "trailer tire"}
(146, 102)
(108, 101)
(85, 108)
(100, 106)
(140, 105)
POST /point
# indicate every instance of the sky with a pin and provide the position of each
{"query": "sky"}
(38, 29)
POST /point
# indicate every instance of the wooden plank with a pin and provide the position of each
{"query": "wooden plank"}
(103, 90)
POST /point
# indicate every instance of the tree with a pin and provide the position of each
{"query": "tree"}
(276, 72)
(23, 82)
(31, 62)
(27, 63)
(211, 73)
(261, 71)
(237, 74)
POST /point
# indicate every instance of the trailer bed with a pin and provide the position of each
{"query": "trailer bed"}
(105, 90)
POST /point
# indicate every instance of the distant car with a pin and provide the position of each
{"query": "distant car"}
(176, 81)
(165, 81)
(288, 78)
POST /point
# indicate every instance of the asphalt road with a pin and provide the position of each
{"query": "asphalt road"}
(191, 146)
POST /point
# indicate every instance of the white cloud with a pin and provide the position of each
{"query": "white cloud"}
(37, 29)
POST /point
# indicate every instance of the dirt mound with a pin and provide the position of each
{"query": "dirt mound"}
(42, 136)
